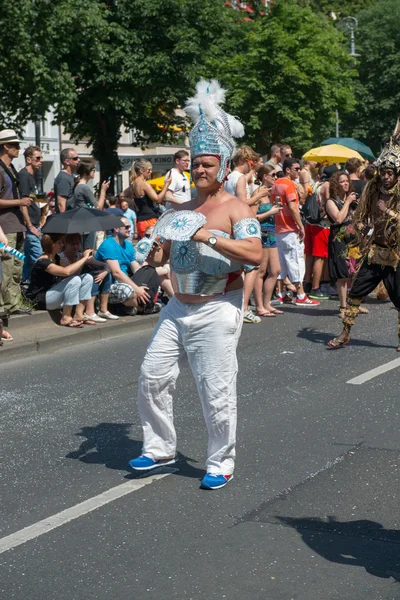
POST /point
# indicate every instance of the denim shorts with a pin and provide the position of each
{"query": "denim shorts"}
(268, 240)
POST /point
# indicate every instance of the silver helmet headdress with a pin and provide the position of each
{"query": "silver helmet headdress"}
(214, 129)
(390, 155)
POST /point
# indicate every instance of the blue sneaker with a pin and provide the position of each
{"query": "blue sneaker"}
(211, 481)
(145, 463)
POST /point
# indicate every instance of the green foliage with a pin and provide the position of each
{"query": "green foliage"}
(289, 78)
(106, 63)
(378, 90)
(341, 8)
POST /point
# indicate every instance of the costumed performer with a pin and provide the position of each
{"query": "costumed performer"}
(204, 318)
(377, 224)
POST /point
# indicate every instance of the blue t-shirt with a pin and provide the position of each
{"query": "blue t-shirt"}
(131, 215)
(118, 212)
(110, 249)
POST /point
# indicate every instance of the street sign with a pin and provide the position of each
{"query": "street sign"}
(160, 162)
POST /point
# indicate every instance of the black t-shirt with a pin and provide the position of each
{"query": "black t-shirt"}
(358, 185)
(41, 281)
(63, 186)
(27, 186)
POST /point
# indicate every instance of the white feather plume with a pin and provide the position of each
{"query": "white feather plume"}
(208, 98)
(236, 126)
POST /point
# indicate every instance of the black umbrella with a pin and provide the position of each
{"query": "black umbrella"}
(81, 220)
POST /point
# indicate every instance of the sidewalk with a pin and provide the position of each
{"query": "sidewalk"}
(37, 334)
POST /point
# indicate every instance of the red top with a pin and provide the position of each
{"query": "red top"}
(286, 189)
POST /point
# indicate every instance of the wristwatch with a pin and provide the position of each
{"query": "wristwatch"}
(212, 241)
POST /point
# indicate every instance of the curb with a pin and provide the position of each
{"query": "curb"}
(85, 336)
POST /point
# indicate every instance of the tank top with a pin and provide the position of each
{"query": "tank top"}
(145, 208)
(231, 183)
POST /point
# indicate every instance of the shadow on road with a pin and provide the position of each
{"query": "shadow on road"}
(318, 337)
(359, 543)
(109, 444)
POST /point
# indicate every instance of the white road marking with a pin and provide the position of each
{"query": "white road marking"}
(74, 512)
(393, 364)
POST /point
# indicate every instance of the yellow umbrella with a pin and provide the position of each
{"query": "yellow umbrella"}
(332, 153)
(158, 182)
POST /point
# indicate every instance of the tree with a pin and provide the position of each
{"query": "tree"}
(339, 8)
(104, 64)
(378, 91)
(290, 76)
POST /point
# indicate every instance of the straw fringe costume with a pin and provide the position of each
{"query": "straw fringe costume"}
(381, 248)
(207, 332)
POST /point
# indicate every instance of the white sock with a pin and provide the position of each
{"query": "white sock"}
(301, 296)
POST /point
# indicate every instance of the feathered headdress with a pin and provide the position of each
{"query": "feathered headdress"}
(214, 129)
(390, 155)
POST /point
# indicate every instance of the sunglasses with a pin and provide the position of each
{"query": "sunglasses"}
(37, 158)
(288, 155)
(74, 158)
(14, 145)
(296, 169)
(274, 175)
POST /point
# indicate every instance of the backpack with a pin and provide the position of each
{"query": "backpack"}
(311, 209)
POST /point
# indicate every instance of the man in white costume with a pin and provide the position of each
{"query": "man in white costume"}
(204, 318)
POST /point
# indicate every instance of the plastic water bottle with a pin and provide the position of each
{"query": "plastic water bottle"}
(13, 251)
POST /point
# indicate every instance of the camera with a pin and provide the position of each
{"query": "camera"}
(354, 204)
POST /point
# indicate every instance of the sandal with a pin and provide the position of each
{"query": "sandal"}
(342, 310)
(6, 336)
(73, 323)
(363, 311)
(276, 311)
(336, 343)
(267, 313)
(88, 322)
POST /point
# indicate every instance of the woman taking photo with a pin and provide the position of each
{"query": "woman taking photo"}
(340, 208)
(263, 290)
(53, 287)
(144, 196)
(83, 195)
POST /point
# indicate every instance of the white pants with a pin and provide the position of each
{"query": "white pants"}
(291, 256)
(208, 333)
(69, 291)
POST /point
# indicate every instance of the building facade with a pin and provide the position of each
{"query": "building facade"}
(54, 138)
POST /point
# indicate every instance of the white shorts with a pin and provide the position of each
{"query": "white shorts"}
(291, 256)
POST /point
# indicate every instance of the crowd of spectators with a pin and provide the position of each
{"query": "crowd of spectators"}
(91, 278)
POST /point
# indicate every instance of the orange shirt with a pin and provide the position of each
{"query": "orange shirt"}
(286, 189)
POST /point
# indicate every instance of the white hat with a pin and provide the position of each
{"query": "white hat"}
(8, 136)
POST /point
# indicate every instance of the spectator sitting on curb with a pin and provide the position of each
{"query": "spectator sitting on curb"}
(74, 290)
(119, 254)
(4, 335)
(100, 272)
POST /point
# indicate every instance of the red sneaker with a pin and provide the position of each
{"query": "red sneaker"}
(306, 301)
(284, 299)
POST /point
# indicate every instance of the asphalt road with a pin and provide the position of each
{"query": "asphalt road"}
(312, 513)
